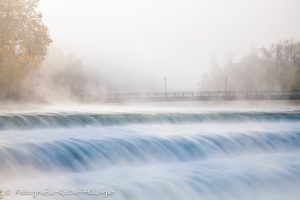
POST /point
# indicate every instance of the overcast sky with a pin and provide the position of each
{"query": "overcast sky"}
(136, 42)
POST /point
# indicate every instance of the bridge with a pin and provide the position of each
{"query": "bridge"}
(206, 96)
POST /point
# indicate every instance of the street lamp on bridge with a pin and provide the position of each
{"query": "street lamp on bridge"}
(226, 81)
(165, 79)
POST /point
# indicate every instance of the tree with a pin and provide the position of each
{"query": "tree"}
(273, 68)
(24, 41)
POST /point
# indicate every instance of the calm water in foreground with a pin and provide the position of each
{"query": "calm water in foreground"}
(166, 151)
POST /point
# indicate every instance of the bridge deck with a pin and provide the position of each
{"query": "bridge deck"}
(207, 96)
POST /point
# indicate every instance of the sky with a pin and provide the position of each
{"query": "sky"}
(135, 43)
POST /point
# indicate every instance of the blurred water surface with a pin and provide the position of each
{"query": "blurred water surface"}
(165, 151)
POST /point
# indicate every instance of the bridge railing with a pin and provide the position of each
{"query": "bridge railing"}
(206, 94)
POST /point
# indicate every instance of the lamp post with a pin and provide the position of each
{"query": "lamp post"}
(165, 79)
(226, 80)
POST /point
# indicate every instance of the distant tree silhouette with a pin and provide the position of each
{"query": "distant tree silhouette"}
(273, 68)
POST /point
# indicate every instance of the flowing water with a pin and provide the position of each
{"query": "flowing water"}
(146, 154)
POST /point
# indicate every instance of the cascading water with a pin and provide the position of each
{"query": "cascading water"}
(145, 156)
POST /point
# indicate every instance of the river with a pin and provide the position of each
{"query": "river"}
(167, 152)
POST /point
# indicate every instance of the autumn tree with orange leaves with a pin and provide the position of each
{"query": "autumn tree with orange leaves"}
(24, 41)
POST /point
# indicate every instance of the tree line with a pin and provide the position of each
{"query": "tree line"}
(276, 67)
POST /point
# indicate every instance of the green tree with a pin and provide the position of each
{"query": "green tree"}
(24, 41)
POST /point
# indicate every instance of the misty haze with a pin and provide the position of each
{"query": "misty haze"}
(148, 99)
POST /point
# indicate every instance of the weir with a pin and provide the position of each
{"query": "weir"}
(170, 155)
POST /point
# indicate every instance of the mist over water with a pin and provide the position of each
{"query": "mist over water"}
(97, 114)
(139, 152)
(134, 44)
